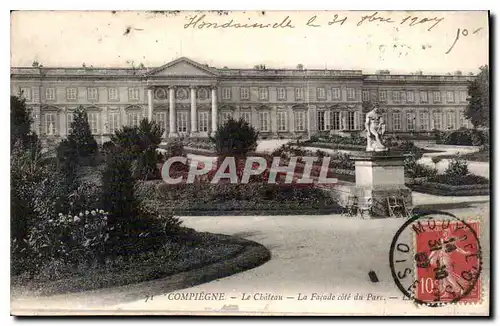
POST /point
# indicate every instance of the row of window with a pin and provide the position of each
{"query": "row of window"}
(281, 93)
(92, 94)
(429, 121)
(326, 120)
(409, 96)
(263, 94)
(133, 119)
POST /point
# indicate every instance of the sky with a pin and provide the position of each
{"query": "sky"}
(400, 41)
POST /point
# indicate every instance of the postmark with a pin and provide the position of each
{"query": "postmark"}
(435, 259)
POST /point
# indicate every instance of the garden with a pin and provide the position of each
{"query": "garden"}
(239, 140)
(78, 221)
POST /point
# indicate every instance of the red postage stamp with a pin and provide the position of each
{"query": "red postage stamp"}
(448, 261)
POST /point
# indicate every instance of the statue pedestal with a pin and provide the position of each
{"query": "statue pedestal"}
(380, 175)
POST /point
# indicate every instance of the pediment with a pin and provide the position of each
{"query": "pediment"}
(183, 67)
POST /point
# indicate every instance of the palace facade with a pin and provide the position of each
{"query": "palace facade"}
(191, 99)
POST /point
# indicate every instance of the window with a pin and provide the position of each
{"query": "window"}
(396, 121)
(335, 120)
(69, 120)
(366, 96)
(282, 122)
(281, 93)
(299, 94)
(113, 122)
(424, 121)
(450, 96)
(300, 121)
(382, 96)
(133, 118)
(225, 116)
(92, 94)
(71, 93)
(437, 96)
(182, 120)
(351, 93)
(264, 121)
(226, 93)
(462, 120)
(423, 97)
(50, 94)
(321, 120)
(203, 121)
(50, 123)
(93, 122)
(161, 119)
(437, 117)
(336, 93)
(463, 96)
(395, 96)
(450, 121)
(410, 121)
(410, 96)
(25, 92)
(263, 93)
(321, 93)
(244, 93)
(133, 94)
(246, 116)
(402, 97)
(350, 120)
(113, 94)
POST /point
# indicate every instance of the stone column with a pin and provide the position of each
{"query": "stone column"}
(214, 110)
(150, 104)
(172, 116)
(194, 113)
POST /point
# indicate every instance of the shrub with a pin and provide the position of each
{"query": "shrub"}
(27, 170)
(413, 169)
(235, 138)
(20, 123)
(118, 192)
(465, 137)
(436, 159)
(457, 167)
(174, 148)
(139, 143)
(74, 239)
(81, 136)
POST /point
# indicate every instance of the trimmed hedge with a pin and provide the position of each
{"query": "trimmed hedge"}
(442, 189)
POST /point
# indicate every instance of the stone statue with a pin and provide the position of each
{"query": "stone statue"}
(375, 130)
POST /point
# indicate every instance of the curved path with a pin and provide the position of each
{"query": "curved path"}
(310, 254)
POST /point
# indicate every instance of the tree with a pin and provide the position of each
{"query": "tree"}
(81, 136)
(20, 122)
(139, 144)
(478, 108)
(235, 138)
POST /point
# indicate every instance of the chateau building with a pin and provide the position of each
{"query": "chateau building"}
(191, 99)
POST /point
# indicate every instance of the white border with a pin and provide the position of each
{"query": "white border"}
(190, 5)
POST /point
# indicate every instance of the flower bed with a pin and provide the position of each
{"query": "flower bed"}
(194, 251)
(239, 199)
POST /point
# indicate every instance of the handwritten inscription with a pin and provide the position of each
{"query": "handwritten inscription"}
(464, 32)
(199, 21)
